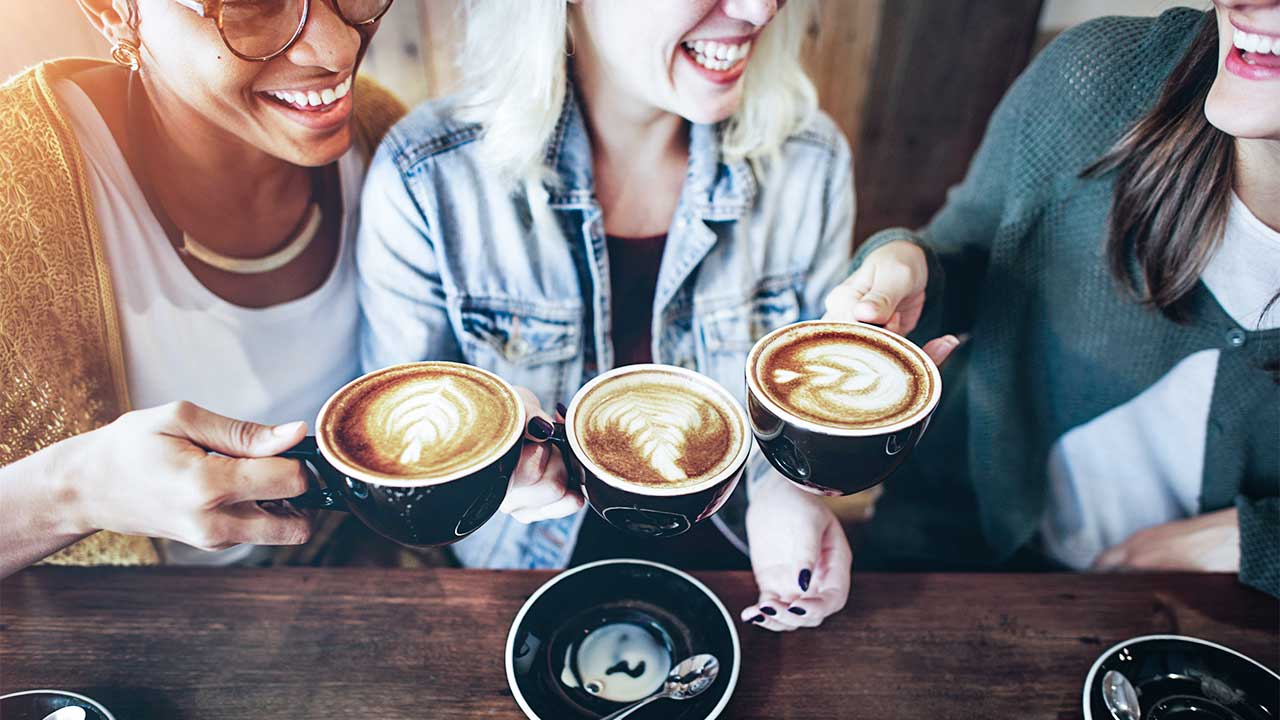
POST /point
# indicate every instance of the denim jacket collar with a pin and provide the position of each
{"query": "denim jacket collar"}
(714, 190)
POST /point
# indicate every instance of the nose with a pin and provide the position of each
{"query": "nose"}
(756, 12)
(327, 41)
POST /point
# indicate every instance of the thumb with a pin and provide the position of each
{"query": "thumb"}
(230, 437)
(939, 349)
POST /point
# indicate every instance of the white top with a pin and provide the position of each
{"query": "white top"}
(1142, 463)
(182, 342)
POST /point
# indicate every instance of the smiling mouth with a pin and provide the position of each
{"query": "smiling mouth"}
(717, 56)
(1255, 44)
(310, 100)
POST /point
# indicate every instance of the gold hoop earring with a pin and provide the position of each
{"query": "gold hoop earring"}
(125, 52)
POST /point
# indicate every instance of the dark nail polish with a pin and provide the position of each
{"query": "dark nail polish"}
(805, 577)
(796, 610)
(540, 429)
(564, 411)
(758, 619)
(768, 611)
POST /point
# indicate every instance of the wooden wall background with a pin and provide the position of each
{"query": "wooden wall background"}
(911, 82)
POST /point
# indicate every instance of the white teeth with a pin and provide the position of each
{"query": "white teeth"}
(1254, 43)
(717, 56)
(313, 98)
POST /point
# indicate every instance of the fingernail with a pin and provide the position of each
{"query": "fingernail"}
(796, 610)
(805, 577)
(768, 611)
(286, 429)
(540, 429)
(564, 411)
(758, 619)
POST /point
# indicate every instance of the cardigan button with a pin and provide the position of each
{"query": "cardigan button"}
(1236, 337)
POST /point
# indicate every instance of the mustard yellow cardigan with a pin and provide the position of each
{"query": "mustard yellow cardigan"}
(61, 356)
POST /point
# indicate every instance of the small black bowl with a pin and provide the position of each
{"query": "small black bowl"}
(37, 704)
(659, 612)
(1185, 678)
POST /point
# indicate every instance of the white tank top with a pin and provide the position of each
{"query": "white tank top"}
(182, 342)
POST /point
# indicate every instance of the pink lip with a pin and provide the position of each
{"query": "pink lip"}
(1236, 65)
(735, 40)
(330, 117)
(1251, 30)
(317, 86)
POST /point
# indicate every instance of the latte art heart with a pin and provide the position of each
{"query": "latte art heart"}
(844, 376)
(857, 380)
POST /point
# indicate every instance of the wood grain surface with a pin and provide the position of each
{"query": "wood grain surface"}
(428, 643)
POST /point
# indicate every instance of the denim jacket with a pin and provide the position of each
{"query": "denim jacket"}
(454, 266)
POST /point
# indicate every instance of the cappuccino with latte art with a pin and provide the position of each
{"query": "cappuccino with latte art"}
(421, 421)
(843, 376)
(658, 427)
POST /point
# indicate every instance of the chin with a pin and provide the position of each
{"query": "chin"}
(319, 153)
(1245, 116)
(709, 111)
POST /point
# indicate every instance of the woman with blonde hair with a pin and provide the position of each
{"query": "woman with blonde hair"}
(619, 183)
(174, 253)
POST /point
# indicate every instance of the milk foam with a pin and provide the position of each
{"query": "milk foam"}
(422, 420)
(843, 376)
(656, 427)
(621, 662)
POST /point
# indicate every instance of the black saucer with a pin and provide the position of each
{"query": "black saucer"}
(37, 704)
(1185, 678)
(663, 609)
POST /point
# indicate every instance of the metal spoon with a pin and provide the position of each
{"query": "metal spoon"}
(688, 679)
(1120, 697)
(70, 712)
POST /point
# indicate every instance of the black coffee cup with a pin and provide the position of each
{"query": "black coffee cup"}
(651, 511)
(413, 511)
(829, 460)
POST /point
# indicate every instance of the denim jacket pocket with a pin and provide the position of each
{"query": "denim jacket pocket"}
(526, 344)
(728, 333)
(736, 328)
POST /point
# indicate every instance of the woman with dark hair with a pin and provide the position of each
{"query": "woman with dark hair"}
(1114, 258)
(176, 239)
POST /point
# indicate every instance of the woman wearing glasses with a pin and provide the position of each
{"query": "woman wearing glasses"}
(175, 239)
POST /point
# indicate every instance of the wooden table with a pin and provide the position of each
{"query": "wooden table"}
(362, 643)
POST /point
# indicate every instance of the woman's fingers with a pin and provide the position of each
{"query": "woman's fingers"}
(231, 437)
(939, 349)
(538, 427)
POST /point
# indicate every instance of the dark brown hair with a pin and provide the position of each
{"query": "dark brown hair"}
(1173, 186)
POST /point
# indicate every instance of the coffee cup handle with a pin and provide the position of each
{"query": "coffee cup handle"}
(560, 438)
(319, 496)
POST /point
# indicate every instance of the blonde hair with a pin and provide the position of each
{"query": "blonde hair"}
(514, 83)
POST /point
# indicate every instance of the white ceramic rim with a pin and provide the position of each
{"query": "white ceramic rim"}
(754, 388)
(1097, 664)
(392, 481)
(86, 700)
(739, 459)
(524, 609)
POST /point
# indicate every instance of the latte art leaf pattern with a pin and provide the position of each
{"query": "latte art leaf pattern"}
(657, 430)
(431, 416)
(421, 421)
(846, 376)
